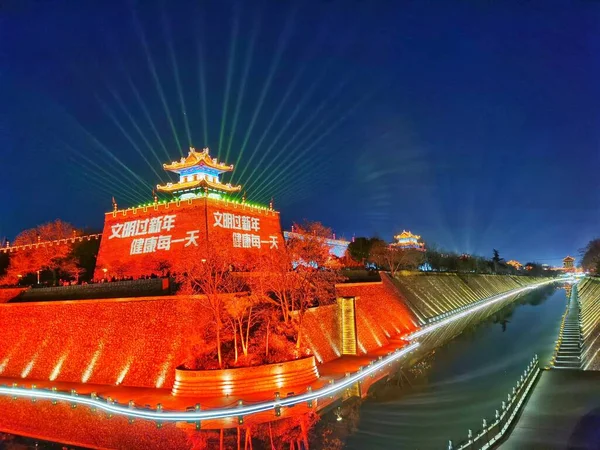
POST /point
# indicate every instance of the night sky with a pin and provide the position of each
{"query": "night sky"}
(473, 124)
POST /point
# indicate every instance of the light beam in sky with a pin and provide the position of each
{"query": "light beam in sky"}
(169, 40)
(242, 87)
(230, 70)
(140, 31)
(267, 84)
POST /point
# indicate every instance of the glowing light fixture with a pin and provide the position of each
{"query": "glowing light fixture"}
(219, 413)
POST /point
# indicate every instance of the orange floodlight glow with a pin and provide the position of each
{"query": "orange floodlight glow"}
(90, 368)
(57, 367)
(28, 368)
(121, 376)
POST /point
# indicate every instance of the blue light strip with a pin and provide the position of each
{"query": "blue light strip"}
(220, 413)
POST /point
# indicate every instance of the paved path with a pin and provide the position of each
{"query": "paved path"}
(562, 413)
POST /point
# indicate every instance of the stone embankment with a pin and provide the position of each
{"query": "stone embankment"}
(395, 307)
(432, 294)
(589, 300)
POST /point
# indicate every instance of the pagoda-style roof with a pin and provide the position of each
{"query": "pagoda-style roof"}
(197, 184)
(407, 235)
(197, 159)
(569, 258)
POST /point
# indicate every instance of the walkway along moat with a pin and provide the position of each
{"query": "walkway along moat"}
(564, 409)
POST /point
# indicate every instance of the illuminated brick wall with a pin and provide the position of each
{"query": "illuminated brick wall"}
(321, 333)
(588, 291)
(131, 342)
(8, 294)
(95, 429)
(432, 294)
(380, 313)
(82, 426)
(134, 240)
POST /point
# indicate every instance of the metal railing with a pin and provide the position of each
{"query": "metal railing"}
(492, 431)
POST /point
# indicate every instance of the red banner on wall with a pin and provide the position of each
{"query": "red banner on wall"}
(139, 241)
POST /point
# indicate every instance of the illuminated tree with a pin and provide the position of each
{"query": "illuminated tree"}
(360, 247)
(242, 314)
(48, 255)
(3, 263)
(298, 277)
(590, 256)
(208, 271)
(395, 259)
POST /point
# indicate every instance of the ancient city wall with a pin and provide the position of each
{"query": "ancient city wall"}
(391, 308)
(589, 300)
(431, 294)
(9, 294)
(140, 342)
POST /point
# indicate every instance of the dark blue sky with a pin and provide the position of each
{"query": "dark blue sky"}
(474, 124)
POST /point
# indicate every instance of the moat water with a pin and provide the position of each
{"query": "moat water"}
(444, 395)
(464, 381)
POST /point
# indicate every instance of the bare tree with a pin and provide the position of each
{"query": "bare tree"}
(242, 314)
(209, 272)
(45, 252)
(299, 276)
(395, 259)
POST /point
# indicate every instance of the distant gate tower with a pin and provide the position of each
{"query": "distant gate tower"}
(407, 240)
(568, 264)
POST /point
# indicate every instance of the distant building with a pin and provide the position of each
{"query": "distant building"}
(337, 247)
(516, 264)
(407, 240)
(569, 263)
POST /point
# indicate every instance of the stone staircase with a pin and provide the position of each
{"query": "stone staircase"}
(568, 355)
